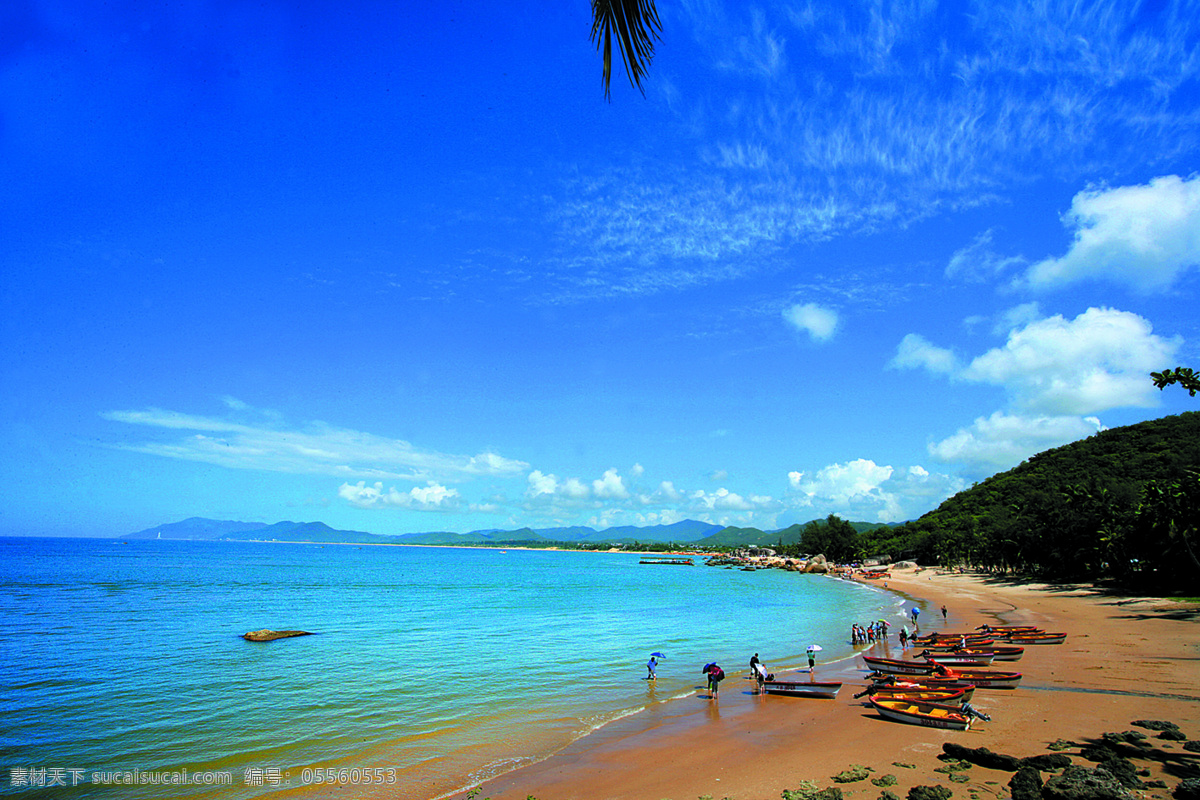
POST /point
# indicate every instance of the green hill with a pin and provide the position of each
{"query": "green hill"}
(1123, 504)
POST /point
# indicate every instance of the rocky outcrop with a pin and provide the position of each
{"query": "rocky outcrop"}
(1026, 784)
(981, 756)
(817, 564)
(267, 635)
(1081, 783)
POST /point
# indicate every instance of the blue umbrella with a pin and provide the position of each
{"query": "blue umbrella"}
(658, 655)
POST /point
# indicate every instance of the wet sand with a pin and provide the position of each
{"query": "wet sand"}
(1124, 659)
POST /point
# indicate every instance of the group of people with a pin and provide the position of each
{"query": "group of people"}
(859, 634)
(865, 634)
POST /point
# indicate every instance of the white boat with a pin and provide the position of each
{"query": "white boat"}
(827, 690)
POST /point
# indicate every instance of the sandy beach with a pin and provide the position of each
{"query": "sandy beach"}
(1125, 659)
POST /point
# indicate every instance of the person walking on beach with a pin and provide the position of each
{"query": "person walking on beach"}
(903, 637)
(943, 612)
(915, 612)
(715, 676)
(650, 669)
(812, 661)
(759, 673)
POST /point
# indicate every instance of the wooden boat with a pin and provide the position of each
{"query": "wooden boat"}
(891, 666)
(922, 685)
(931, 715)
(1036, 638)
(998, 652)
(827, 690)
(677, 561)
(972, 638)
(1008, 628)
(947, 697)
(978, 658)
(990, 679)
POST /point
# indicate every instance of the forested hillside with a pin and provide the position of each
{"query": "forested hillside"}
(1123, 504)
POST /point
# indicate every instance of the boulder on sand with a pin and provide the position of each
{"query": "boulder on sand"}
(817, 564)
(267, 635)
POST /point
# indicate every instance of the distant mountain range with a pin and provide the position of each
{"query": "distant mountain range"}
(689, 532)
(198, 528)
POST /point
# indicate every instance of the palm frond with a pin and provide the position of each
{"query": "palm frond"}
(636, 25)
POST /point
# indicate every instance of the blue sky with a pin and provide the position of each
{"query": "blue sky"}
(400, 267)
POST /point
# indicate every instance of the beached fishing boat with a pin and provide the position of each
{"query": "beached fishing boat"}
(827, 690)
(971, 638)
(927, 683)
(999, 652)
(1009, 628)
(1036, 638)
(978, 658)
(930, 715)
(677, 561)
(947, 697)
(987, 678)
(891, 666)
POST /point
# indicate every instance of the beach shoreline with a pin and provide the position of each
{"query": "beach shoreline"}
(1124, 659)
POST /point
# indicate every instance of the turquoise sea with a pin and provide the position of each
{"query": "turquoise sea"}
(432, 668)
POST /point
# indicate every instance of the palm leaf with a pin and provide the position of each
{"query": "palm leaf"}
(636, 25)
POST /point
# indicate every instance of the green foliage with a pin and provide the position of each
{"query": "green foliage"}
(1184, 376)
(1123, 504)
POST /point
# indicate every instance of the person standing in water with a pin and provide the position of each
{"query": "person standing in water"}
(651, 665)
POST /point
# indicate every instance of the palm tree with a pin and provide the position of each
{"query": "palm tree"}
(636, 25)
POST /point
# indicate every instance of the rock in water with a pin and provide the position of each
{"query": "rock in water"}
(268, 635)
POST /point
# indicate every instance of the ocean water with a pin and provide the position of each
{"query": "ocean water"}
(432, 668)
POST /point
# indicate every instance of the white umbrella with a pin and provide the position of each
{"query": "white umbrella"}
(815, 647)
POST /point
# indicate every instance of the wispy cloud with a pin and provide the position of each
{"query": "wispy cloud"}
(873, 117)
(313, 448)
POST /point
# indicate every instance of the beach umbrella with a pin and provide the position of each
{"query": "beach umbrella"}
(656, 654)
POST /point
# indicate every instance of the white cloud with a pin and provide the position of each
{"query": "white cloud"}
(864, 490)
(917, 351)
(540, 483)
(315, 448)
(1098, 361)
(1002, 440)
(1017, 316)
(612, 485)
(574, 489)
(668, 492)
(724, 500)
(840, 482)
(818, 322)
(431, 497)
(1145, 237)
